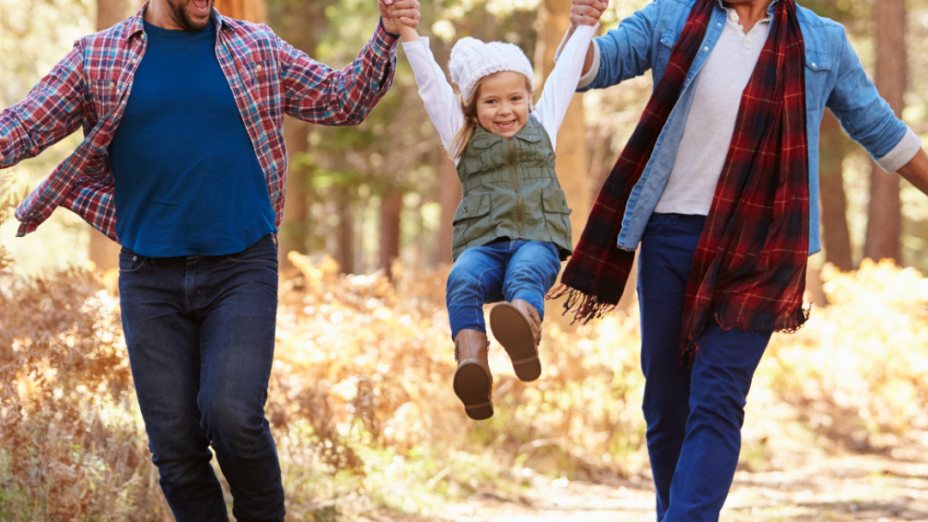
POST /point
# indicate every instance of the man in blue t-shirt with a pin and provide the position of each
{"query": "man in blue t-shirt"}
(184, 164)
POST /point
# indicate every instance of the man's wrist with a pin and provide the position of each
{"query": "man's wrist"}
(394, 33)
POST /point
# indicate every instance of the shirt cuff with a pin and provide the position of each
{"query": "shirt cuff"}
(591, 75)
(423, 41)
(902, 153)
(384, 35)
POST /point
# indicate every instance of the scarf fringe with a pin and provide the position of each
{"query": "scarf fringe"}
(585, 307)
(789, 323)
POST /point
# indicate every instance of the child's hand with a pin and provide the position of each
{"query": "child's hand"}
(397, 13)
(587, 12)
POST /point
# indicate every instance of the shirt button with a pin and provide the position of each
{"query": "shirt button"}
(705, 49)
(112, 85)
(814, 65)
(259, 67)
(135, 60)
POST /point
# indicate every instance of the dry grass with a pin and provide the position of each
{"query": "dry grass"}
(363, 411)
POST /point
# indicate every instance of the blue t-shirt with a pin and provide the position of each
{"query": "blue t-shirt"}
(188, 181)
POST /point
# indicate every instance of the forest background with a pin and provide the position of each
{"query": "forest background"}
(361, 403)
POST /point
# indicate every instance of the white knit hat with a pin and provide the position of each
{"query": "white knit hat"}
(472, 60)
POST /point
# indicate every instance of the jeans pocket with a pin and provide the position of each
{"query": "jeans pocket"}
(262, 252)
(130, 262)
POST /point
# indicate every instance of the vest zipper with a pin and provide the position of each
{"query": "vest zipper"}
(515, 187)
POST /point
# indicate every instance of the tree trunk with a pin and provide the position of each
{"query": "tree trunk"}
(884, 217)
(294, 229)
(344, 231)
(104, 253)
(837, 235)
(573, 166)
(250, 10)
(391, 208)
(111, 11)
(301, 24)
(449, 198)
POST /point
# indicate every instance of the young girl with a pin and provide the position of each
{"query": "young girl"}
(511, 230)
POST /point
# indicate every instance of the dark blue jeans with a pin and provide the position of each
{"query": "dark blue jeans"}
(694, 415)
(501, 270)
(200, 333)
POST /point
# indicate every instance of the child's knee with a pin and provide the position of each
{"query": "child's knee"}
(462, 280)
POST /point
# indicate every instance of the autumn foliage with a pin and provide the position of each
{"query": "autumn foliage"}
(362, 407)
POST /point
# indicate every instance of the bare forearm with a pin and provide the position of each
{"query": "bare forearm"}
(588, 60)
(407, 34)
(916, 171)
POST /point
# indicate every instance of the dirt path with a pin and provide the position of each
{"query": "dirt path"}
(846, 488)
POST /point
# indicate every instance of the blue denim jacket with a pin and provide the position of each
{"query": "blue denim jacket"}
(835, 79)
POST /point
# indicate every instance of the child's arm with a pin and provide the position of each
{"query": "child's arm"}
(408, 34)
(562, 82)
(441, 104)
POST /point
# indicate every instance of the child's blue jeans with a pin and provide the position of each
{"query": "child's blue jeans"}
(694, 415)
(498, 271)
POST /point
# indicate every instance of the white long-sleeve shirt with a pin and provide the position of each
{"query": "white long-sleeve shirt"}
(445, 111)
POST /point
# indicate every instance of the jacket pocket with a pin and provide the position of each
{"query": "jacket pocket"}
(471, 217)
(557, 214)
(818, 75)
(104, 94)
(662, 57)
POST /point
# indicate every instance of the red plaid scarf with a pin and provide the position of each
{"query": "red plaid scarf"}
(749, 267)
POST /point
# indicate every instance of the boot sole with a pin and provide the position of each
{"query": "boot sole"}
(513, 332)
(472, 386)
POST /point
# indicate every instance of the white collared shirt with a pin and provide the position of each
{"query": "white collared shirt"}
(711, 123)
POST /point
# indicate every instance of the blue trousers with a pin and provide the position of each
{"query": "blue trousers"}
(501, 270)
(693, 415)
(200, 336)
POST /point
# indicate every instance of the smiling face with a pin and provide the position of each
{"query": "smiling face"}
(190, 15)
(503, 101)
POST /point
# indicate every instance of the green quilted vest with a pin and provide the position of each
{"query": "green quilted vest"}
(510, 190)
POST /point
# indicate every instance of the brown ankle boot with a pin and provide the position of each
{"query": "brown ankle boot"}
(517, 326)
(473, 382)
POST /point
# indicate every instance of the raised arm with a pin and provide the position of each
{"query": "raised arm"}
(586, 12)
(561, 84)
(51, 111)
(400, 17)
(439, 99)
(570, 57)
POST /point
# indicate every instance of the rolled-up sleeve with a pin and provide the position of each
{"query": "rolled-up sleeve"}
(867, 117)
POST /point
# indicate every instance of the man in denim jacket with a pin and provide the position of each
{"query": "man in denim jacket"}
(694, 413)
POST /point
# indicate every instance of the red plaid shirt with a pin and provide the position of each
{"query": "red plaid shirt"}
(89, 89)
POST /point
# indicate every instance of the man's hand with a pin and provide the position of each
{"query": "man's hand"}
(3, 143)
(395, 12)
(587, 12)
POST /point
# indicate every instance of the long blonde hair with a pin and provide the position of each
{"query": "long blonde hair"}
(469, 109)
